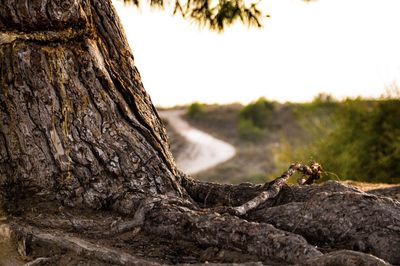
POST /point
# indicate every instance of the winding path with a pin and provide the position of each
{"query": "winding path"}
(203, 150)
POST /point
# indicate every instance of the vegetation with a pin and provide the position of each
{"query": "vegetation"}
(365, 144)
(248, 131)
(253, 119)
(353, 139)
(195, 110)
(257, 112)
(215, 15)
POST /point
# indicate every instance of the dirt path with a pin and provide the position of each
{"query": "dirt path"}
(203, 152)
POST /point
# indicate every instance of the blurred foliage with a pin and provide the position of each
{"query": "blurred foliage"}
(215, 15)
(248, 131)
(357, 139)
(353, 139)
(366, 144)
(195, 110)
(258, 112)
(253, 119)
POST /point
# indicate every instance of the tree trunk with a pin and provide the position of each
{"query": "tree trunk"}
(76, 125)
(75, 118)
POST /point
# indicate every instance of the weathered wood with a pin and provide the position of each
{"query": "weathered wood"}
(40, 261)
(79, 246)
(346, 219)
(75, 119)
(314, 171)
(392, 192)
(213, 229)
(345, 257)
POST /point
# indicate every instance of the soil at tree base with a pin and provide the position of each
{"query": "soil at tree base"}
(150, 247)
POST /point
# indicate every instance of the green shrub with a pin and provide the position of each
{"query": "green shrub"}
(195, 110)
(257, 112)
(323, 98)
(365, 142)
(352, 139)
(248, 131)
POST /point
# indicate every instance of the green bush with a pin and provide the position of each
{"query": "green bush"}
(257, 112)
(352, 139)
(195, 110)
(365, 144)
(248, 131)
(323, 98)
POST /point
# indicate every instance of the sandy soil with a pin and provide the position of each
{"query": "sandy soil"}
(203, 150)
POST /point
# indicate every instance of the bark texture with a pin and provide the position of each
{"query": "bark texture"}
(77, 130)
(74, 115)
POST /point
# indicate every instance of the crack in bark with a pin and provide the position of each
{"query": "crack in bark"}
(63, 36)
(147, 132)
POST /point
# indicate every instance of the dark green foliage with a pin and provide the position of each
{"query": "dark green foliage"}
(248, 131)
(214, 15)
(362, 141)
(384, 142)
(370, 136)
(258, 112)
(323, 98)
(195, 110)
(253, 119)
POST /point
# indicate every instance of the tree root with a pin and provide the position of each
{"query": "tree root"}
(40, 261)
(213, 229)
(313, 171)
(79, 246)
(345, 257)
(90, 227)
(208, 194)
(245, 196)
(346, 219)
(284, 225)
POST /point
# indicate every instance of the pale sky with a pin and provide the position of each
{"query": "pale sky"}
(342, 47)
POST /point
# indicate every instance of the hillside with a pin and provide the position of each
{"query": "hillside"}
(304, 132)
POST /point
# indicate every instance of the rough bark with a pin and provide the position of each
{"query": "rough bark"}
(341, 219)
(74, 115)
(77, 130)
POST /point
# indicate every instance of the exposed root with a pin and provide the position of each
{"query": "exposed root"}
(40, 261)
(341, 220)
(345, 257)
(281, 225)
(77, 245)
(313, 171)
(208, 194)
(227, 231)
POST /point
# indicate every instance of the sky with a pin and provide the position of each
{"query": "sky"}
(346, 48)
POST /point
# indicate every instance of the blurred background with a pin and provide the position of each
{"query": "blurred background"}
(317, 82)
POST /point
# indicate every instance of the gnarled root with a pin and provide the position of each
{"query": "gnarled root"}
(273, 189)
(314, 171)
(343, 219)
(76, 245)
(284, 228)
(213, 229)
(345, 257)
